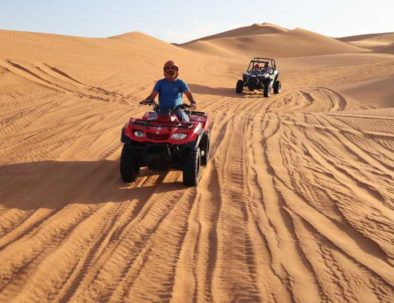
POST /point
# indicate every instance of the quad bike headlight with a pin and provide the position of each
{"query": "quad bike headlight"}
(178, 136)
(139, 133)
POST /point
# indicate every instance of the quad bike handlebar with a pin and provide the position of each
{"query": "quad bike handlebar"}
(147, 102)
(156, 105)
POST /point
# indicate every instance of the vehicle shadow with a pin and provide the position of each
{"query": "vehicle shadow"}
(55, 184)
(251, 94)
(225, 92)
(217, 91)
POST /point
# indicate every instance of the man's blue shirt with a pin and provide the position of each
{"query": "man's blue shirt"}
(170, 92)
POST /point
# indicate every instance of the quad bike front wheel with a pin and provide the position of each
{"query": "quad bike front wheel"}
(129, 169)
(191, 168)
(204, 147)
(239, 87)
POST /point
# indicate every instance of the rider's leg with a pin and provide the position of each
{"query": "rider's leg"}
(153, 115)
(182, 115)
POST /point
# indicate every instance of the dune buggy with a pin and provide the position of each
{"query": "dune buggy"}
(263, 74)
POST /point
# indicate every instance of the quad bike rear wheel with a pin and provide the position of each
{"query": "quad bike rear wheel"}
(191, 168)
(129, 168)
(239, 87)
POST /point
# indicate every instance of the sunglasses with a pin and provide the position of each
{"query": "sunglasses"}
(170, 68)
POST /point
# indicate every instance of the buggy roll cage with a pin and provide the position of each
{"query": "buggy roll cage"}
(261, 61)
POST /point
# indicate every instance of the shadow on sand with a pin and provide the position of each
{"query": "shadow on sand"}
(217, 91)
(54, 184)
(225, 91)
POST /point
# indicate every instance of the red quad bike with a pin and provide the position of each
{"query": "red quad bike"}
(163, 142)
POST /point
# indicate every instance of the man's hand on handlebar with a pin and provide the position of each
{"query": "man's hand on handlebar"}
(193, 105)
(147, 102)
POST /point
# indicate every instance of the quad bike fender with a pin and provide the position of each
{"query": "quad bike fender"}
(124, 136)
(196, 143)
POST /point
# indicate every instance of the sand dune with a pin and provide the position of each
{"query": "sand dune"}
(270, 40)
(382, 43)
(295, 205)
(377, 92)
(255, 29)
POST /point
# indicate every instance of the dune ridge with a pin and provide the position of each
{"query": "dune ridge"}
(270, 40)
(381, 43)
(295, 204)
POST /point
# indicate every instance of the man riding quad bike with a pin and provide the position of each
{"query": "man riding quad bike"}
(162, 141)
(168, 137)
(261, 74)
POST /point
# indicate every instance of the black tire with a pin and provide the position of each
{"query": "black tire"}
(191, 168)
(204, 147)
(129, 168)
(277, 87)
(239, 87)
(266, 90)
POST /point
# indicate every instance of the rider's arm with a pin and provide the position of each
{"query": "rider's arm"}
(185, 88)
(152, 95)
(155, 90)
(189, 95)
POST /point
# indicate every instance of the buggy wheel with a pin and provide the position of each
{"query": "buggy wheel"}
(239, 87)
(277, 87)
(204, 147)
(266, 90)
(191, 168)
(129, 168)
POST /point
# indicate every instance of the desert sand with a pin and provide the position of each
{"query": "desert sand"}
(296, 203)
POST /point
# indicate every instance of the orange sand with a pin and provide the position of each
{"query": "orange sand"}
(296, 203)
